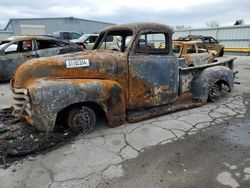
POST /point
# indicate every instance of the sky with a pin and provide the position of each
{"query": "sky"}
(194, 13)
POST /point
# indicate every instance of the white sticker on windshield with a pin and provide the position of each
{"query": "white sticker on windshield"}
(77, 63)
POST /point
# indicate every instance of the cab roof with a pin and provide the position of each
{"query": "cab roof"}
(30, 37)
(139, 26)
(187, 42)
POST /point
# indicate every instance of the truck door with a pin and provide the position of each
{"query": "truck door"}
(153, 70)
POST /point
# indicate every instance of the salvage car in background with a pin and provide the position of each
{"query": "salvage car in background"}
(210, 43)
(86, 40)
(66, 35)
(193, 52)
(15, 50)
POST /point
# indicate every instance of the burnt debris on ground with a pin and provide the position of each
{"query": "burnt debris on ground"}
(19, 140)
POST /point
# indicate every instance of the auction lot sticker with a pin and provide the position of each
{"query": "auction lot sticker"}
(77, 63)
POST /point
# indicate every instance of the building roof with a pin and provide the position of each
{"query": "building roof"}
(52, 18)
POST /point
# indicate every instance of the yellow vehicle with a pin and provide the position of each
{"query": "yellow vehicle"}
(210, 43)
(194, 53)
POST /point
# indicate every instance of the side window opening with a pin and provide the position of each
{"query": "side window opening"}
(201, 48)
(44, 44)
(212, 40)
(153, 43)
(66, 36)
(207, 40)
(92, 39)
(191, 48)
(26, 46)
(20, 46)
(75, 36)
(176, 48)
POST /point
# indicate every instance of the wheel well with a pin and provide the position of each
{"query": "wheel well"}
(62, 115)
(191, 65)
(223, 83)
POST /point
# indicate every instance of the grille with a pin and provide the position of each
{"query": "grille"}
(21, 103)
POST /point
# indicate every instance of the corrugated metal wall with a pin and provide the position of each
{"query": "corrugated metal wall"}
(4, 35)
(233, 36)
(60, 24)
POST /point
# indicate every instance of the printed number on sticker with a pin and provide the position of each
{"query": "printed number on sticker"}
(77, 63)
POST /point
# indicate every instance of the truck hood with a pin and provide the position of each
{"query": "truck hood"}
(94, 64)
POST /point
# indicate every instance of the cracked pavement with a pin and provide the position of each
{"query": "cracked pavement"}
(98, 159)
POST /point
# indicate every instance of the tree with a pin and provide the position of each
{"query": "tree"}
(239, 22)
(212, 24)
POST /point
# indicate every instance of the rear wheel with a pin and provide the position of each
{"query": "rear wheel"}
(215, 92)
(81, 119)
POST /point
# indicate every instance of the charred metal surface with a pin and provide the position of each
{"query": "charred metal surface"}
(9, 61)
(45, 106)
(6, 115)
(203, 83)
(193, 58)
(124, 84)
(149, 84)
(210, 43)
(183, 102)
(188, 74)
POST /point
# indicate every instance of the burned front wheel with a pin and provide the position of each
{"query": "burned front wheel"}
(215, 92)
(81, 119)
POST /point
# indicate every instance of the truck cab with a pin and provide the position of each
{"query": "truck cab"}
(139, 80)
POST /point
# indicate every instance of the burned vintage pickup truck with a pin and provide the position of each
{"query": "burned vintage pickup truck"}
(137, 82)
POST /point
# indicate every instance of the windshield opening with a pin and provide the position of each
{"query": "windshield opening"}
(3, 44)
(115, 40)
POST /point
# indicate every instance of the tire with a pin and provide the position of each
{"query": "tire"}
(81, 119)
(215, 92)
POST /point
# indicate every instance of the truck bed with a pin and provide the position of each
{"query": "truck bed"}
(187, 74)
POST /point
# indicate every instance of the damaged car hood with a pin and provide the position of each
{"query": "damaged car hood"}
(94, 64)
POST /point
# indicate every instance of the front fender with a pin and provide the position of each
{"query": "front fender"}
(201, 84)
(49, 97)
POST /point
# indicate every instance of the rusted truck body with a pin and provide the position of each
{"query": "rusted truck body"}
(17, 49)
(194, 53)
(132, 84)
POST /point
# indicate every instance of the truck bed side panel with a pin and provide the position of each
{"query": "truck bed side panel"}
(188, 74)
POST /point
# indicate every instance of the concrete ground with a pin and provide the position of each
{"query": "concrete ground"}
(207, 146)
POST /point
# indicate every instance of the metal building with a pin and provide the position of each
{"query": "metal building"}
(230, 36)
(23, 26)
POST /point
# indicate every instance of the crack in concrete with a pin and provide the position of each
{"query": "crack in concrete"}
(51, 173)
(72, 179)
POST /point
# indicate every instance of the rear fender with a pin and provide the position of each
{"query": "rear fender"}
(202, 84)
(49, 97)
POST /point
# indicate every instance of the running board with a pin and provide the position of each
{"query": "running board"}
(142, 114)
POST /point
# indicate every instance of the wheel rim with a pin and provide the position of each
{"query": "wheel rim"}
(215, 92)
(84, 120)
